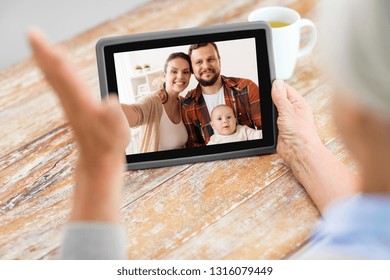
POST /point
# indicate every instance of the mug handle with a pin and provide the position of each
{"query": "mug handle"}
(313, 36)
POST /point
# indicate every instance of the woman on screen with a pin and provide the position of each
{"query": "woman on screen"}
(159, 113)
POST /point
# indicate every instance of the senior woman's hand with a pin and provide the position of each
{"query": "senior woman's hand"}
(101, 132)
(297, 130)
(324, 177)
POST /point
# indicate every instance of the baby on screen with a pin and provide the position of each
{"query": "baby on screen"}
(226, 130)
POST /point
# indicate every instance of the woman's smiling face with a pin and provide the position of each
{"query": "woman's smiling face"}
(177, 76)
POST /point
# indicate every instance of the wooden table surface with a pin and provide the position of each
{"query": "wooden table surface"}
(247, 208)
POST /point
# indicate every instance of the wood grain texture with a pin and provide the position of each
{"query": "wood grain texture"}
(247, 208)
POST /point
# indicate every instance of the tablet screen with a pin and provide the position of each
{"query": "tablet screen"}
(221, 78)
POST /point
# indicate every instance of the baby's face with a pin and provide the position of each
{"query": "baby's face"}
(223, 120)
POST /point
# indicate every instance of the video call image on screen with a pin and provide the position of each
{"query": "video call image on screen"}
(139, 74)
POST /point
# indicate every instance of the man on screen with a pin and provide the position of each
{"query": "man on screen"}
(242, 95)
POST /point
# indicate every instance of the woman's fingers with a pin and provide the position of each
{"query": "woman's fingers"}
(61, 74)
(279, 94)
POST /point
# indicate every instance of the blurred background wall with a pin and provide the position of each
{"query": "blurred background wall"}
(60, 20)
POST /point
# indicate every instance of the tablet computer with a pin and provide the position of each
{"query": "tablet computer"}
(222, 77)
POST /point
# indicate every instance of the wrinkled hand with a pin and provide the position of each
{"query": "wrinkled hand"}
(299, 145)
(100, 129)
(297, 131)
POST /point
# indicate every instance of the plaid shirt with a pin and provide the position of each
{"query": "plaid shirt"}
(240, 94)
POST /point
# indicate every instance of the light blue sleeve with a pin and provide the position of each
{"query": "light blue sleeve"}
(93, 241)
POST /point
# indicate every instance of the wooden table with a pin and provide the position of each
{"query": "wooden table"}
(248, 208)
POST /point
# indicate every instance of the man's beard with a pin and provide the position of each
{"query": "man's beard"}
(211, 82)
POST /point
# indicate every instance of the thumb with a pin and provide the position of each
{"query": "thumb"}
(279, 94)
(111, 104)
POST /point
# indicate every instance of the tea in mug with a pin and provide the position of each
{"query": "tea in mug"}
(277, 24)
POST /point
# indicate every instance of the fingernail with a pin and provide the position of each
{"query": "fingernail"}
(35, 30)
(279, 84)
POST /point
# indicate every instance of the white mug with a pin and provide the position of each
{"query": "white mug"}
(286, 39)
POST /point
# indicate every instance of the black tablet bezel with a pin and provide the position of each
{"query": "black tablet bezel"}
(260, 31)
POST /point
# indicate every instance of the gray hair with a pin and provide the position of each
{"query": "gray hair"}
(356, 40)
